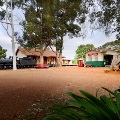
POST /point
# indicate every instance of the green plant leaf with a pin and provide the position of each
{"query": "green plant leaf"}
(50, 117)
(64, 112)
(118, 104)
(102, 107)
(109, 102)
(74, 102)
(97, 92)
(109, 91)
(89, 106)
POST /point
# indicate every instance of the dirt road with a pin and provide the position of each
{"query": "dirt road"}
(22, 88)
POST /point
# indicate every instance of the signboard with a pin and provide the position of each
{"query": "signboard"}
(95, 54)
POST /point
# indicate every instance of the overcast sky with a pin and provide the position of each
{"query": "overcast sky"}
(70, 45)
(97, 39)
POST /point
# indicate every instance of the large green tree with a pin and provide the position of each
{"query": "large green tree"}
(48, 21)
(2, 52)
(38, 25)
(80, 52)
(66, 14)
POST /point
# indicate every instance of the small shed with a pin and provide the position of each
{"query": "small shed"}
(66, 61)
(101, 57)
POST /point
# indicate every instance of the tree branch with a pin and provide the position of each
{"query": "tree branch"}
(7, 31)
(52, 49)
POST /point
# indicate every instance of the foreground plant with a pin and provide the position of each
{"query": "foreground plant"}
(88, 107)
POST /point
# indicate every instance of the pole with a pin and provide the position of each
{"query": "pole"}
(13, 43)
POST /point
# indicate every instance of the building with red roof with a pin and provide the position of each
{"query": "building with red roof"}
(49, 56)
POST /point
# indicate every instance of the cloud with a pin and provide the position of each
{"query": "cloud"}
(98, 38)
(70, 45)
(5, 42)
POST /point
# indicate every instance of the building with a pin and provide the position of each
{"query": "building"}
(66, 61)
(49, 56)
(100, 57)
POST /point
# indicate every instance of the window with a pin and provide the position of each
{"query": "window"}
(96, 57)
(52, 59)
(90, 58)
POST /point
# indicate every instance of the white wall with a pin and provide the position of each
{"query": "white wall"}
(100, 56)
(70, 62)
(20, 54)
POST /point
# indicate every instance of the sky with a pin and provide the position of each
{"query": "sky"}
(98, 38)
(70, 45)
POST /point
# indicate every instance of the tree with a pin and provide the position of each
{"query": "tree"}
(6, 19)
(48, 21)
(115, 45)
(104, 15)
(65, 22)
(115, 65)
(65, 16)
(75, 61)
(82, 49)
(2, 52)
(37, 27)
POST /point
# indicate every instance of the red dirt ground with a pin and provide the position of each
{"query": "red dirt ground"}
(22, 88)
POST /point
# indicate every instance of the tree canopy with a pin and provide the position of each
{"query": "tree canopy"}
(102, 14)
(2, 52)
(105, 15)
(115, 45)
(80, 52)
(47, 22)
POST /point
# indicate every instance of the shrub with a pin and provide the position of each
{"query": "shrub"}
(88, 107)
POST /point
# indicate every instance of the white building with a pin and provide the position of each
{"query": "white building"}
(100, 57)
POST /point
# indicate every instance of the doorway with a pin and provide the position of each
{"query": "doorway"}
(108, 59)
(45, 60)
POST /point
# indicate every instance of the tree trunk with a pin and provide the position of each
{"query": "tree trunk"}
(13, 44)
(57, 59)
(115, 65)
(59, 54)
(41, 58)
(41, 41)
(60, 59)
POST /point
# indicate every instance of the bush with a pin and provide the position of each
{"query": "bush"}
(75, 61)
(88, 107)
